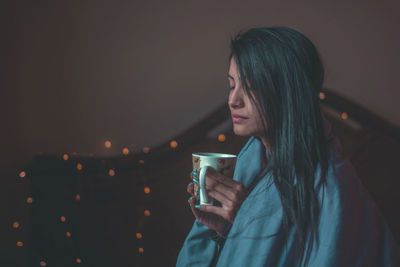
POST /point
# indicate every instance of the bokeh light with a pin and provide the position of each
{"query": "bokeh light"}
(79, 166)
(15, 225)
(65, 157)
(107, 144)
(173, 144)
(146, 190)
(125, 151)
(147, 213)
(221, 138)
(139, 235)
(29, 200)
(22, 174)
(111, 172)
(345, 116)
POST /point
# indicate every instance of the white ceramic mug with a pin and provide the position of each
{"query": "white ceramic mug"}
(222, 163)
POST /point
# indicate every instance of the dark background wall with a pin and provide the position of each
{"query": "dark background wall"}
(77, 73)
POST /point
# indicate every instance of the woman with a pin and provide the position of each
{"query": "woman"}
(293, 201)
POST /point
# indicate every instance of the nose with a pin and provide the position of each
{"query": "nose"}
(235, 100)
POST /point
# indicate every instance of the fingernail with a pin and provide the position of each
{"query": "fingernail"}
(197, 207)
(195, 180)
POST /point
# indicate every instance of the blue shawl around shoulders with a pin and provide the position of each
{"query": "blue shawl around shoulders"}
(351, 232)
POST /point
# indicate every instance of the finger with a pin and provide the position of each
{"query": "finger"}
(226, 214)
(194, 174)
(222, 198)
(190, 188)
(213, 176)
(234, 194)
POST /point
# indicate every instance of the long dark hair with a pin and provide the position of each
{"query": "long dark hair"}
(285, 73)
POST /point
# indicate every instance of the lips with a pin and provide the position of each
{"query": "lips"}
(237, 118)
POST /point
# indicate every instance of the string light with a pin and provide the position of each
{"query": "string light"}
(63, 219)
(22, 174)
(345, 116)
(29, 200)
(139, 235)
(20, 243)
(141, 250)
(77, 197)
(111, 172)
(125, 151)
(147, 213)
(173, 144)
(107, 144)
(146, 190)
(146, 149)
(322, 95)
(221, 138)
(15, 225)
(68, 234)
(43, 263)
(79, 166)
(65, 157)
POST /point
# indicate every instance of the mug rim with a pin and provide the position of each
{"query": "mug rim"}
(213, 155)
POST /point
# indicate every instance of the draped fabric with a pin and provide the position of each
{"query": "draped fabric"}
(351, 231)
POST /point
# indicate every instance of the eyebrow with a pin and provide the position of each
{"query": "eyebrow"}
(229, 76)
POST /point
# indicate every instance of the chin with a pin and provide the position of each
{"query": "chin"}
(241, 132)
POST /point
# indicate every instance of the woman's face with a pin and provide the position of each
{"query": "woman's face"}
(245, 117)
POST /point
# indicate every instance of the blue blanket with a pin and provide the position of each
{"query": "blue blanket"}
(352, 232)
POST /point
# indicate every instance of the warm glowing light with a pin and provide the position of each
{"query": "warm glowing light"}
(141, 250)
(65, 157)
(78, 260)
(15, 225)
(79, 166)
(146, 213)
(139, 235)
(43, 263)
(107, 144)
(20, 244)
(111, 172)
(22, 174)
(173, 144)
(345, 116)
(63, 219)
(68, 234)
(77, 197)
(141, 161)
(321, 95)
(146, 190)
(125, 151)
(29, 200)
(221, 138)
(146, 149)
